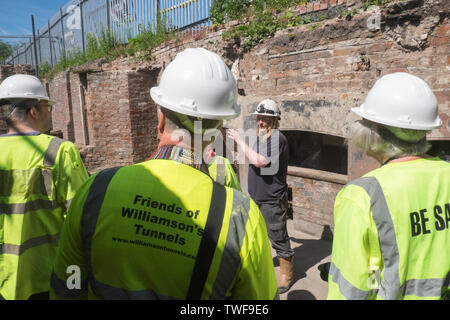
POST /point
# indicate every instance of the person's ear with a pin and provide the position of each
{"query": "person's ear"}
(161, 123)
(34, 112)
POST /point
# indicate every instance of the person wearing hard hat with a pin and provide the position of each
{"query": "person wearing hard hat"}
(267, 185)
(39, 175)
(163, 228)
(391, 235)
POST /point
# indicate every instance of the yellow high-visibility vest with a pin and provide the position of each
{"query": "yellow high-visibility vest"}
(39, 175)
(221, 170)
(392, 234)
(145, 232)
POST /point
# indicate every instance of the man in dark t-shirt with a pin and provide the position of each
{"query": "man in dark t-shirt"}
(268, 184)
(268, 158)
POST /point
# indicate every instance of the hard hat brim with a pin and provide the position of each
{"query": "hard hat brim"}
(360, 112)
(158, 98)
(267, 114)
(8, 99)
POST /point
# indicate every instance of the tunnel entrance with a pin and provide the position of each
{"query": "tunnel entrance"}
(317, 151)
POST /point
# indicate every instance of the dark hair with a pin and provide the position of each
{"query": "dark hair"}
(19, 110)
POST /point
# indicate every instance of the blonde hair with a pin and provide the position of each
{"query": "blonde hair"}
(272, 123)
(378, 140)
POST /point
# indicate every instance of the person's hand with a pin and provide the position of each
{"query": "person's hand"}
(233, 134)
(209, 154)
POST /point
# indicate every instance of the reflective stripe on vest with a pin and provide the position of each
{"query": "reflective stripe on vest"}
(28, 244)
(91, 211)
(21, 208)
(30, 182)
(220, 173)
(62, 289)
(208, 244)
(231, 259)
(390, 288)
(228, 268)
(49, 161)
(108, 292)
(347, 289)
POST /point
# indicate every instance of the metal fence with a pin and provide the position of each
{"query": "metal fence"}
(69, 28)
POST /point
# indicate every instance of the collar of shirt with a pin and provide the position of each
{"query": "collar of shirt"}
(182, 155)
(33, 133)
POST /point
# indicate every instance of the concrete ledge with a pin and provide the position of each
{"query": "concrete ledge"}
(317, 175)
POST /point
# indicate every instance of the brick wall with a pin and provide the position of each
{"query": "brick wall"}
(312, 202)
(316, 73)
(60, 91)
(143, 114)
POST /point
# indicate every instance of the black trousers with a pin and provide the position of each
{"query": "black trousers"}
(275, 215)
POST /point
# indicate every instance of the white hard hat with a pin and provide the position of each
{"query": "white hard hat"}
(268, 108)
(23, 86)
(198, 83)
(401, 100)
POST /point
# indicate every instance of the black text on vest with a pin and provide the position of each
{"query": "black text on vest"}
(420, 223)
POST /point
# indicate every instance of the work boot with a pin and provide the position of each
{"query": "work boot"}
(286, 274)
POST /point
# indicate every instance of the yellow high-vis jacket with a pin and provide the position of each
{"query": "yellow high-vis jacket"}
(162, 229)
(39, 176)
(221, 170)
(392, 234)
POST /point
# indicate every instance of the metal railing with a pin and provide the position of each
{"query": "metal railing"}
(69, 28)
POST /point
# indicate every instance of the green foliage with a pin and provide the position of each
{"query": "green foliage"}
(250, 34)
(222, 11)
(368, 3)
(44, 68)
(260, 18)
(265, 24)
(314, 26)
(146, 40)
(347, 14)
(107, 46)
(226, 10)
(5, 50)
(107, 41)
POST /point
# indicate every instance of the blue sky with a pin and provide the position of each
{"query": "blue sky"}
(15, 16)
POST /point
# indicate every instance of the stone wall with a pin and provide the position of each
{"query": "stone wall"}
(318, 75)
(317, 72)
(313, 194)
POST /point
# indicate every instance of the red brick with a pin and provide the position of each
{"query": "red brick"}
(333, 3)
(310, 7)
(442, 96)
(307, 84)
(344, 52)
(444, 30)
(277, 75)
(303, 9)
(379, 47)
(317, 6)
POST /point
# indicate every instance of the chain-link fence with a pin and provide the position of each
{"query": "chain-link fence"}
(69, 28)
